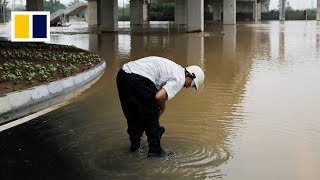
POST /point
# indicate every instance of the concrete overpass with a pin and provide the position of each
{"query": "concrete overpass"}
(70, 11)
(102, 15)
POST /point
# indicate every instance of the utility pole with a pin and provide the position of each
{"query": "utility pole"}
(282, 10)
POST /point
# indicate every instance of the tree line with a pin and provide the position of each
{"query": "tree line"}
(291, 14)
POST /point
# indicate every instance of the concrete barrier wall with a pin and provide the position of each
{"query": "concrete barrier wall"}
(13, 105)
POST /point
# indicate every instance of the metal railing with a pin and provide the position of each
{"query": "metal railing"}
(67, 11)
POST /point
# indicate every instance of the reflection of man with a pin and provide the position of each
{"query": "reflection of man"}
(144, 86)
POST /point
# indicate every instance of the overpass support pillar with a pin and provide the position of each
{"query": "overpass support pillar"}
(180, 12)
(229, 12)
(92, 15)
(108, 15)
(86, 14)
(254, 11)
(195, 15)
(282, 10)
(318, 10)
(259, 10)
(146, 7)
(34, 5)
(136, 12)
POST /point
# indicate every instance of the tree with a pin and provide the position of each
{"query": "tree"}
(271, 15)
(161, 12)
(4, 17)
(124, 12)
(73, 2)
(53, 5)
(290, 15)
(4, 2)
(288, 7)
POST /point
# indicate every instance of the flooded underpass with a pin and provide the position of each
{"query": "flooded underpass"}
(257, 117)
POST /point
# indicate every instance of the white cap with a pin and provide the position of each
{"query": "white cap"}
(198, 79)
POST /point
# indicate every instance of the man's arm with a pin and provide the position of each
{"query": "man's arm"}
(161, 98)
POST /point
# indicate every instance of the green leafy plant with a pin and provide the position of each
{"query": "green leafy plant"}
(39, 61)
(69, 69)
(44, 73)
(31, 75)
(52, 68)
(9, 76)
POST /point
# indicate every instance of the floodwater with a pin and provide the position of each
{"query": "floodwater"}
(257, 118)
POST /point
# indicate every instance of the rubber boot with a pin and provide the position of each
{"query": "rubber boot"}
(162, 130)
(155, 149)
(134, 146)
(135, 139)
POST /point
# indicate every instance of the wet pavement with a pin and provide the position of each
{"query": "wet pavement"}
(257, 117)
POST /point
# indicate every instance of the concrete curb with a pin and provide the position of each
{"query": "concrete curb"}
(16, 102)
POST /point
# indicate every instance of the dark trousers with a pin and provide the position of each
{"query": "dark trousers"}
(137, 97)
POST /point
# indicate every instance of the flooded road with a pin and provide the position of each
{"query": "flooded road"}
(257, 117)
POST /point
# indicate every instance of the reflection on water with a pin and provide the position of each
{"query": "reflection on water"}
(257, 117)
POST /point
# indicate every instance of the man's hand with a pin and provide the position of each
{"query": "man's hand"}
(161, 98)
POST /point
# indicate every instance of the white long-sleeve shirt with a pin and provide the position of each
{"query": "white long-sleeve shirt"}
(163, 72)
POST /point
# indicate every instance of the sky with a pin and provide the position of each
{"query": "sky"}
(295, 4)
(65, 1)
